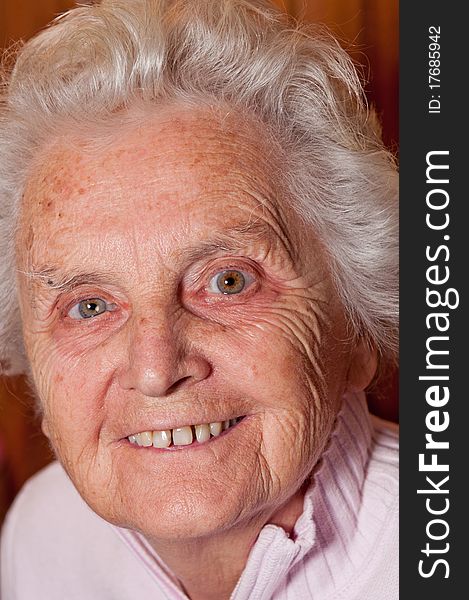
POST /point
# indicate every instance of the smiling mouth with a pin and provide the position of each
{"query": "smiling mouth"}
(182, 436)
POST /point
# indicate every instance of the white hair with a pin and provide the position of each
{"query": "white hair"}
(97, 60)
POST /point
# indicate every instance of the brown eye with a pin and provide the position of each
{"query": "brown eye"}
(86, 309)
(230, 282)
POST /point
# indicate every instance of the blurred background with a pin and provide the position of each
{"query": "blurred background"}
(368, 29)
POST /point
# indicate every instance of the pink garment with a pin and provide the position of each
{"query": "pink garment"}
(344, 545)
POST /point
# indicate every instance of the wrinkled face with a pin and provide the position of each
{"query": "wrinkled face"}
(164, 285)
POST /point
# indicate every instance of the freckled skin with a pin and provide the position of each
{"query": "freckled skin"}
(279, 352)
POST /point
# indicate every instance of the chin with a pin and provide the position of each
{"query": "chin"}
(183, 519)
(178, 514)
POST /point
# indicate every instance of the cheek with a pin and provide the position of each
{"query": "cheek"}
(293, 366)
(267, 363)
(274, 349)
(72, 396)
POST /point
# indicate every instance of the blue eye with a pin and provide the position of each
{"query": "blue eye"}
(229, 282)
(91, 307)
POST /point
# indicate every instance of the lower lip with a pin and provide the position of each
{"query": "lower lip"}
(195, 445)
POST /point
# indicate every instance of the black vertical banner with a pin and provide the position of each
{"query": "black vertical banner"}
(434, 256)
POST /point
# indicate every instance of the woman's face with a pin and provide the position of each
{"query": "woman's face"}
(164, 283)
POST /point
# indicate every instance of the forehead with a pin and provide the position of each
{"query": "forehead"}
(201, 169)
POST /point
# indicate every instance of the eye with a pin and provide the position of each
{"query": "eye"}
(91, 307)
(230, 281)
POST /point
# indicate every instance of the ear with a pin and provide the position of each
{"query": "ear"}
(363, 366)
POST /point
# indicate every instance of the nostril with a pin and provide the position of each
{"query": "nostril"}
(178, 384)
(158, 373)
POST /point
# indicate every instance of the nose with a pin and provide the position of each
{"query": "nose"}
(159, 362)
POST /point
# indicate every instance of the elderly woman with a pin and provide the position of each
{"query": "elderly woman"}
(198, 229)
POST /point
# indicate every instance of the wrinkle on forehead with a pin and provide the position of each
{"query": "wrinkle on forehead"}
(226, 143)
(210, 165)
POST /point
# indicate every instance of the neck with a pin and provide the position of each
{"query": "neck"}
(208, 568)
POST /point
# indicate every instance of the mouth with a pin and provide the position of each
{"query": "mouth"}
(182, 436)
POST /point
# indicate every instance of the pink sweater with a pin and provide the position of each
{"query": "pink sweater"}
(344, 544)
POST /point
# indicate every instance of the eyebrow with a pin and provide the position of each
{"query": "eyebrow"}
(54, 278)
(233, 239)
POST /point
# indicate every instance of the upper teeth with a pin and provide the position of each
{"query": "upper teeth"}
(181, 436)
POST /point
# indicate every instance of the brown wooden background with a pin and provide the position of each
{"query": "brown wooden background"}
(367, 28)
